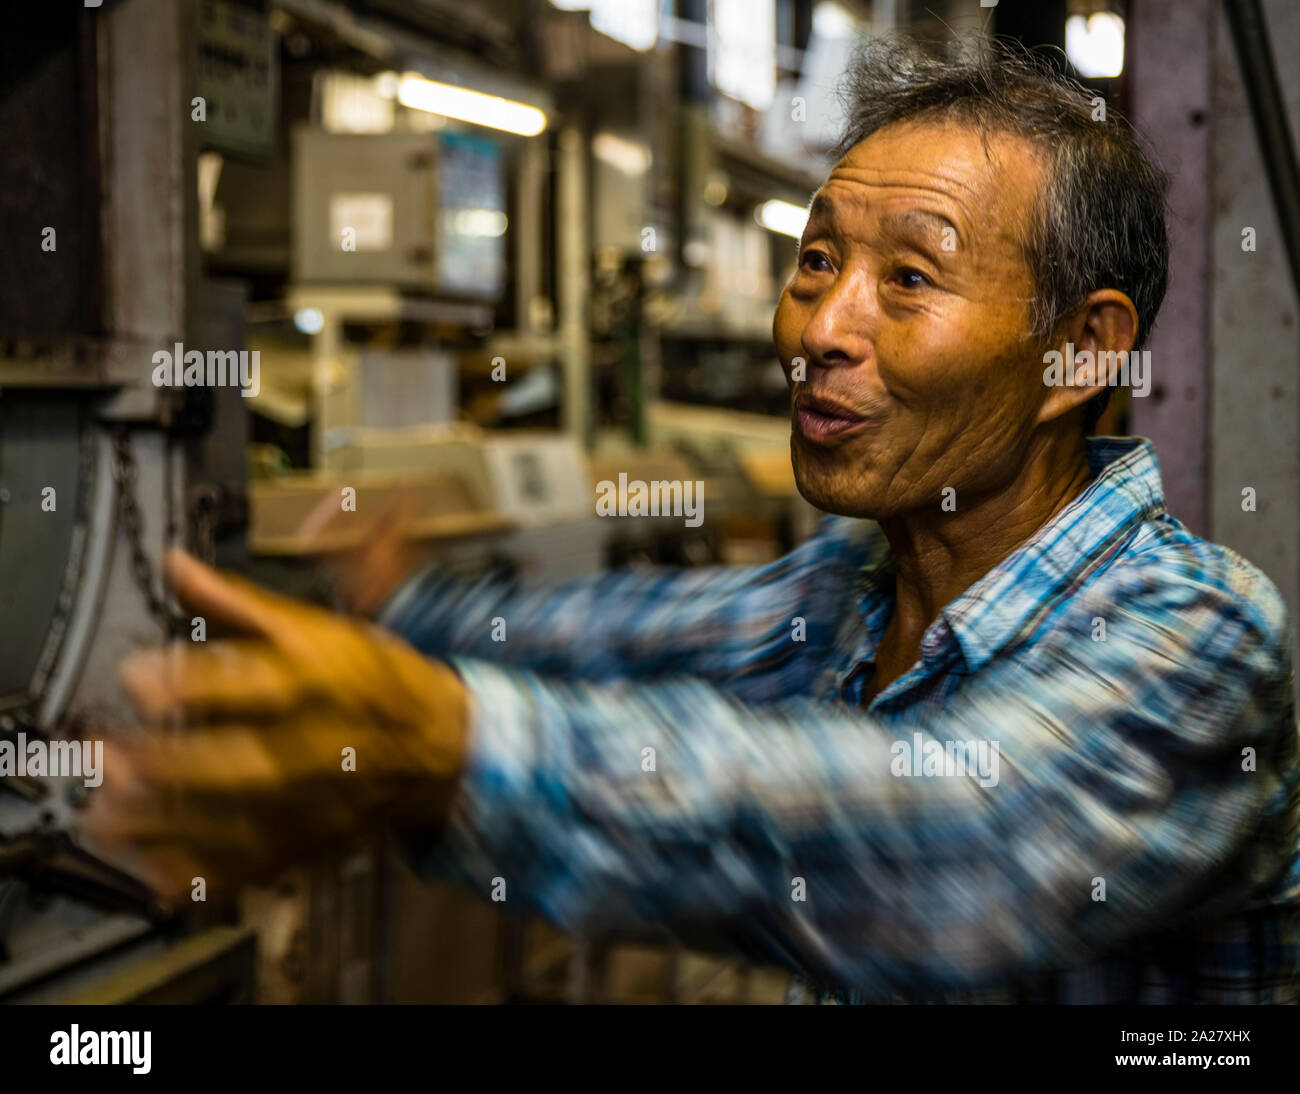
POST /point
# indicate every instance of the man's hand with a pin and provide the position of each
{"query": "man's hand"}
(366, 576)
(259, 752)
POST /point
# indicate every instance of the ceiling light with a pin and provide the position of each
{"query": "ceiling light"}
(627, 156)
(782, 217)
(1095, 45)
(470, 106)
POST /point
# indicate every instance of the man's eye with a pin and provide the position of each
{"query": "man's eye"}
(814, 260)
(909, 278)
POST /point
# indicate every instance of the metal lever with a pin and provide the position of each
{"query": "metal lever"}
(48, 860)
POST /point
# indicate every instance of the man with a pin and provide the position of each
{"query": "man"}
(1023, 738)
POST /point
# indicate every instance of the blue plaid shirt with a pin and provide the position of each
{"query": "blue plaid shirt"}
(690, 750)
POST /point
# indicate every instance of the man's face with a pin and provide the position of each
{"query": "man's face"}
(910, 306)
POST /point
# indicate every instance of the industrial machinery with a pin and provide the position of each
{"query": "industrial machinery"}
(142, 139)
(99, 468)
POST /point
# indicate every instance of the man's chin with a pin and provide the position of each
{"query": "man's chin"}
(834, 491)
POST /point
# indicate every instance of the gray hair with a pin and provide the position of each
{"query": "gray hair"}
(1100, 221)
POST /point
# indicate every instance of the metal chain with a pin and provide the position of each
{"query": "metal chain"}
(126, 475)
(204, 503)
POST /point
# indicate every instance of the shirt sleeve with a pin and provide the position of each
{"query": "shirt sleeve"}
(728, 625)
(1122, 797)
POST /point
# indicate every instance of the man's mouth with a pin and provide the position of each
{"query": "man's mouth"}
(823, 420)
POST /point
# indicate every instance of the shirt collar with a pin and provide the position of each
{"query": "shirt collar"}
(1011, 598)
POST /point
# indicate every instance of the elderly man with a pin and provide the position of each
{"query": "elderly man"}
(1019, 735)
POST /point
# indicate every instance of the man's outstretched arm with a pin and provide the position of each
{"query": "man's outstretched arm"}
(729, 625)
(782, 831)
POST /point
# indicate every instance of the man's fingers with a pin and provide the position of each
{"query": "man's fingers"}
(169, 872)
(367, 574)
(222, 760)
(223, 859)
(169, 822)
(193, 683)
(229, 601)
(313, 765)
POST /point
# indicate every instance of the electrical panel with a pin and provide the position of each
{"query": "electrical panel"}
(412, 210)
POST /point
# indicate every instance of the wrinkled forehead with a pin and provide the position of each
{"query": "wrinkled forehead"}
(985, 183)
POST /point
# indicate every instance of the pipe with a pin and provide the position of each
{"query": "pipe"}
(1267, 109)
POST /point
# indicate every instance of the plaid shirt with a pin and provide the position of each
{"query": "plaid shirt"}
(690, 750)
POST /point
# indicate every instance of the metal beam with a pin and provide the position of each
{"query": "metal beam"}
(1170, 50)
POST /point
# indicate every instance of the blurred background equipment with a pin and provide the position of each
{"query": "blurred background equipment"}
(486, 256)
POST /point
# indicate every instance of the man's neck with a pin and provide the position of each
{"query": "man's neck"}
(940, 555)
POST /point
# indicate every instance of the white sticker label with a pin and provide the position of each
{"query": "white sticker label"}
(370, 216)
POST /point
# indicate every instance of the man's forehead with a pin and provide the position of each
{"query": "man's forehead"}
(949, 171)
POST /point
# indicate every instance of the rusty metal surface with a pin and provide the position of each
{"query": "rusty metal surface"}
(48, 174)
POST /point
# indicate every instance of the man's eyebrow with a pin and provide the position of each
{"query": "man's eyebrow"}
(919, 220)
(913, 222)
(822, 208)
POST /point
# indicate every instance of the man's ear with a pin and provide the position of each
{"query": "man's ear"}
(1087, 352)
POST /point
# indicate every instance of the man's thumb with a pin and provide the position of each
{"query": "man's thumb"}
(228, 601)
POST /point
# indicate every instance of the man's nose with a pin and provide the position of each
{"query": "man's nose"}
(840, 329)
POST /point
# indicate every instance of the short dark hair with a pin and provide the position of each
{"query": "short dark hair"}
(1100, 221)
